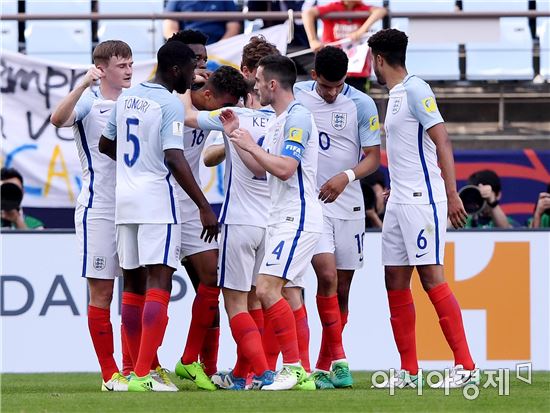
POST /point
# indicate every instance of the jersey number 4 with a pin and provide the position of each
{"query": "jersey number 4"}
(130, 137)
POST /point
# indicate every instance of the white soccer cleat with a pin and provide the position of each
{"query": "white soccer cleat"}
(457, 378)
(161, 380)
(401, 379)
(118, 382)
(286, 378)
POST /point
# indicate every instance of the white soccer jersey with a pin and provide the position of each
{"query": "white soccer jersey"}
(193, 143)
(295, 201)
(146, 121)
(345, 127)
(412, 159)
(98, 171)
(246, 197)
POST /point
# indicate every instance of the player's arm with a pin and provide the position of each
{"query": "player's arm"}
(64, 114)
(107, 142)
(214, 155)
(444, 148)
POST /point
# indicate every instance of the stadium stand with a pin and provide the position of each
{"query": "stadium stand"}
(543, 34)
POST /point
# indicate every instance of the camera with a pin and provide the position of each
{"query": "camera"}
(472, 199)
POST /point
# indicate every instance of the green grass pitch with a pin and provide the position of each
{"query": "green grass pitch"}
(79, 392)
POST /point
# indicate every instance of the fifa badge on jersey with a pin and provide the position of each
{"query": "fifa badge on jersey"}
(295, 135)
(177, 128)
(396, 106)
(215, 113)
(374, 123)
(99, 263)
(339, 120)
(429, 104)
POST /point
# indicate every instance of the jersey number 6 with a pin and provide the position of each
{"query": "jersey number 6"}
(130, 137)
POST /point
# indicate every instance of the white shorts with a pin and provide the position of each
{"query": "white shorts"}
(242, 249)
(95, 232)
(148, 244)
(344, 239)
(414, 234)
(288, 251)
(191, 241)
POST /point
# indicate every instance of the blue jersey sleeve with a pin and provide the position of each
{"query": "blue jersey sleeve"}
(297, 132)
(367, 119)
(84, 105)
(422, 104)
(110, 127)
(171, 127)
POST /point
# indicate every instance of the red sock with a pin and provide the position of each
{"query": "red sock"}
(248, 339)
(209, 350)
(325, 359)
(203, 312)
(270, 344)
(155, 363)
(344, 318)
(127, 365)
(402, 321)
(450, 319)
(131, 313)
(101, 331)
(302, 332)
(329, 313)
(258, 317)
(154, 321)
(281, 317)
(242, 366)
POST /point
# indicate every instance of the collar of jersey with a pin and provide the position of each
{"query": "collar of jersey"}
(152, 85)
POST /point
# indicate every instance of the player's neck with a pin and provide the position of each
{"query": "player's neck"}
(109, 93)
(395, 77)
(282, 101)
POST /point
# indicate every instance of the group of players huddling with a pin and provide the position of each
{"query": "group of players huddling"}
(294, 153)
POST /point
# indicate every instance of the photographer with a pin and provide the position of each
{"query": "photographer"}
(12, 194)
(492, 215)
(541, 217)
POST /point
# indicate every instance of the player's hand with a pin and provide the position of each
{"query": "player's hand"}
(202, 74)
(316, 45)
(386, 195)
(92, 75)
(355, 36)
(229, 120)
(332, 188)
(487, 193)
(210, 227)
(456, 212)
(243, 139)
(12, 215)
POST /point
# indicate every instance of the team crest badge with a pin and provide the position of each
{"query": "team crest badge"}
(99, 263)
(339, 120)
(396, 106)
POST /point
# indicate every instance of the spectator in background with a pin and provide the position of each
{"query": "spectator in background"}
(541, 217)
(215, 30)
(338, 29)
(492, 215)
(374, 189)
(12, 194)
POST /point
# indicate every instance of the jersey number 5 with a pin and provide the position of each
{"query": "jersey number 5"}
(130, 137)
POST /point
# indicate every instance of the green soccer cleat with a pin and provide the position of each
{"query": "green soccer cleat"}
(140, 384)
(307, 385)
(340, 375)
(195, 373)
(322, 380)
(118, 382)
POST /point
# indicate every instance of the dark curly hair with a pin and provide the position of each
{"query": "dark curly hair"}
(189, 37)
(227, 80)
(391, 44)
(331, 63)
(255, 49)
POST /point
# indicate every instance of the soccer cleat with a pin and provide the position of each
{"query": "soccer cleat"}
(287, 378)
(307, 385)
(457, 378)
(118, 382)
(266, 379)
(140, 384)
(230, 382)
(340, 376)
(322, 380)
(218, 377)
(400, 380)
(160, 375)
(195, 373)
